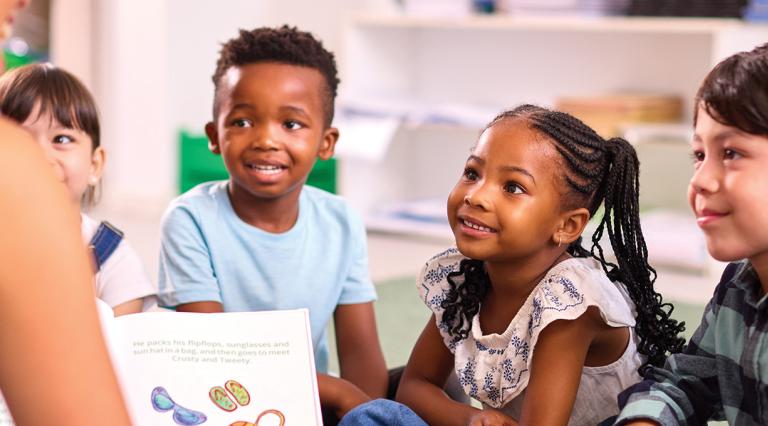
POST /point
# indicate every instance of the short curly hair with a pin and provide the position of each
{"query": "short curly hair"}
(285, 45)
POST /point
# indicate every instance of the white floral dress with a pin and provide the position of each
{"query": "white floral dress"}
(495, 368)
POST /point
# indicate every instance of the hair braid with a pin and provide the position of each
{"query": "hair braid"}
(598, 173)
(468, 288)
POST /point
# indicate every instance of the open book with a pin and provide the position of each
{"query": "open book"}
(239, 369)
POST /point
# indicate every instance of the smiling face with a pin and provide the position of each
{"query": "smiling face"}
(69, 151)
(507, 203)
(727, 189)
(270, 130)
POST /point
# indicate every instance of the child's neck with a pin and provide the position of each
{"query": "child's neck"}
(516, 280)
(275, 215)
(511, 284)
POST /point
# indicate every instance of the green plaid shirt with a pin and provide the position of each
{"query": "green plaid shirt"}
(723, 372)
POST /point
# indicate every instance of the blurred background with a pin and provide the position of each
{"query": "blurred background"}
(420, 78)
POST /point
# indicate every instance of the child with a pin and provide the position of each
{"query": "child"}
(61, 115)
(538, 329)
(721, 375)
(263, 240)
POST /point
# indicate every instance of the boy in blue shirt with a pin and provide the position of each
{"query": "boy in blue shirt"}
(263, 240)
(722, 374)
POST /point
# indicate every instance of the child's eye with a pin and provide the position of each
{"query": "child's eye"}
(513, 188)
(62, 139)
(241, 122)
(729, 154)
(293, 125)
(697, 156)
(470, 174)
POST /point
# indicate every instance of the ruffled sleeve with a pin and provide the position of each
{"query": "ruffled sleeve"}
(573, 286)
(433, 286)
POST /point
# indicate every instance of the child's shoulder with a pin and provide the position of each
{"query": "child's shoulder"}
(329, 207)
(436, 269)
(433, 282)
(571, 286)
(203, 192)
(208, 196)
(738, 283)
(324, 199)
(565, 292)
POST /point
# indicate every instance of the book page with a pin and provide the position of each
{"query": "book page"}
(5, 415)
(241, 369)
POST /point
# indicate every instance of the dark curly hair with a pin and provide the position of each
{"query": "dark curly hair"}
(598, 172)
(285, 45)
(734, 92)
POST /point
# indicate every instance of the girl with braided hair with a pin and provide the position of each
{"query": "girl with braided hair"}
(539, 329)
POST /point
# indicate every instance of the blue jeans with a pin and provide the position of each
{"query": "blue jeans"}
(382, 412)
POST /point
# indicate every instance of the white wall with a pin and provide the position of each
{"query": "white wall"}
(132, 90)
(195, 39)
(149, 64)
(73, 46)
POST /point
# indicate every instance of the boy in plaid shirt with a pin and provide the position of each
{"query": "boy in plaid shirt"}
(723, 372)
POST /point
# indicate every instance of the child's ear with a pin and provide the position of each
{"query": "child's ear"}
(98, 158)
(213, 137)
(571, 226)
(328, 144)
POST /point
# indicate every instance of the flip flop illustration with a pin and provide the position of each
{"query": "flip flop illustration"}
(237, 390)
(219, 397)
(162, 402)
(222, 399)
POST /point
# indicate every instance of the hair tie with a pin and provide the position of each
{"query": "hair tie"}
(617, 147)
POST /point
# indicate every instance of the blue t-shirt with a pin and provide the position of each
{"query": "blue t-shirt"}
(207, 253)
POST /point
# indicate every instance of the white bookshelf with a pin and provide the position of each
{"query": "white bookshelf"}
(610, 24)
(491, 63)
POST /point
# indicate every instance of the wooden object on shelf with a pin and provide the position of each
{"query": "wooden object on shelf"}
(609, 114)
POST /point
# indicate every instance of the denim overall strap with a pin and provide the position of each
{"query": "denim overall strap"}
(104, 243)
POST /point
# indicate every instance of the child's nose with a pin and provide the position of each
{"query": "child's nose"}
(477, 198)
(706, 179)
(265, 139)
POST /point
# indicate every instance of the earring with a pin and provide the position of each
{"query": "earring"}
(559, 240)
(93, 180)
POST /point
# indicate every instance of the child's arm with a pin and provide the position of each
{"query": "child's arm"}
(357, 342)
(421, 387)
(186, 278)
(339, 395)
(129, 307)
(686, 390)
(556, 367)
(201, 307)
(123, 282)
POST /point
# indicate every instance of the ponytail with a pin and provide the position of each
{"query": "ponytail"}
(621, 219)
